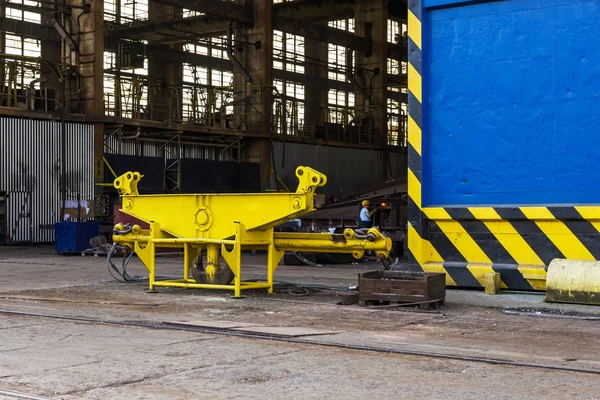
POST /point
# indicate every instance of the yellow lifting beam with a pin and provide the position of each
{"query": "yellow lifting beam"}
(223, 225)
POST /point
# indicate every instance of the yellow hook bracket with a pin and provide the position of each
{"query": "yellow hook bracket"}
(309, 179)
(127, 183)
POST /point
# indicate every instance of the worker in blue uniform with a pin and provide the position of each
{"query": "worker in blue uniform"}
(366, 215)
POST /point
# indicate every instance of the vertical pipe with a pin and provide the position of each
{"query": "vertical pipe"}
(63, 152)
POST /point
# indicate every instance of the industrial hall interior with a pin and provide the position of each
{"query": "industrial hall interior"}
(323, 199)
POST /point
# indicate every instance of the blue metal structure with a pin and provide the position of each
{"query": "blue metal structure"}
(74, 237)
(503, 141)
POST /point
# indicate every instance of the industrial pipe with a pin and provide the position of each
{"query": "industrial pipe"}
(350, 77)
(230, 54)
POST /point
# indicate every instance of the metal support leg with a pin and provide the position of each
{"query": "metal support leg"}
(234, 260)
(189, 255)
(148, 255)
(152, 277)
(212, 261)
(273, 259)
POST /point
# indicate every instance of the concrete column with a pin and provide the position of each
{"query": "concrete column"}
(90, 60)
(259, 64)
(260, 67)
(259, 151)
(371, 69)
(91, 56)
(315, 94)
(242, 87)
(165, 76)
(2, 50)
(50, 52)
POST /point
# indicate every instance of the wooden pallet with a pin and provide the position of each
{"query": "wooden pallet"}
(402, 288)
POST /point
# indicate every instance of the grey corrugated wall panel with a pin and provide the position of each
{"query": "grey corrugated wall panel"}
(30, 156)
(348, 170)
(137, 147)
(18, 217)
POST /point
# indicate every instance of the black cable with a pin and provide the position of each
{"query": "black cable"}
(122, 275)
(304, 260)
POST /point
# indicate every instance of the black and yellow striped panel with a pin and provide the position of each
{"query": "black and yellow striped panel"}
(468, 242)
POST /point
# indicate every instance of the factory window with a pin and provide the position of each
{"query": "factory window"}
(134, 96)
(221, 78)
(396, 122)
(125, 10)
(22, 46)
(288, 52)
(195, 74)
(195, 92)
(110, 10)
(130, 84)
(288, 110)
(395, 67)
(199, 102)
(110, 60)
(134, 9)
(22, 14)
(336, 55)
(196, 48)
(218, 46)
(23, 73)
(344, 24)
(340, 106)
(206, 93)
(112, 63)
(394, 31)
(214, 47)
(191, 13)
(221, 82)
(110, 103)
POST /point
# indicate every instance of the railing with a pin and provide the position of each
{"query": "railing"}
(33, 84)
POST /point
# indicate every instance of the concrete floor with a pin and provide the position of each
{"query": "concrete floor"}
(68, 359)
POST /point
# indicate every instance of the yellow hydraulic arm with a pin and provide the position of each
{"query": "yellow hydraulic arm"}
(225, 224)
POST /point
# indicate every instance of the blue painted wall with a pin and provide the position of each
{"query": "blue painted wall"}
(512, 103)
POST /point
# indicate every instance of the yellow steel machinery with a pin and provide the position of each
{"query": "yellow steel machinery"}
(223, 225)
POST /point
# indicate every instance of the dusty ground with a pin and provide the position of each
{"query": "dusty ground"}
(66, 359)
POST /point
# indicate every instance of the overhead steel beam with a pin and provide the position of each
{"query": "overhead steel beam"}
(65, 35)
(398, 9)
(234, 12)
(398, 96)
(323, 33)
(397, 51)
(174, 56)
(199, 26)
(315, 80)
(398, 80)
(315, 10)
(216, 8)
(29, 29)
(161, 53)
(179, 31)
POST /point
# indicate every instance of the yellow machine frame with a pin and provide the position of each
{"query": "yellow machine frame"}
(225, 224)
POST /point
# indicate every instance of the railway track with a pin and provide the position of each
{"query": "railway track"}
(7, 394)
(302, 341)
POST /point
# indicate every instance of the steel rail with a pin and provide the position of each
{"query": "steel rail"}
(247, 335)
